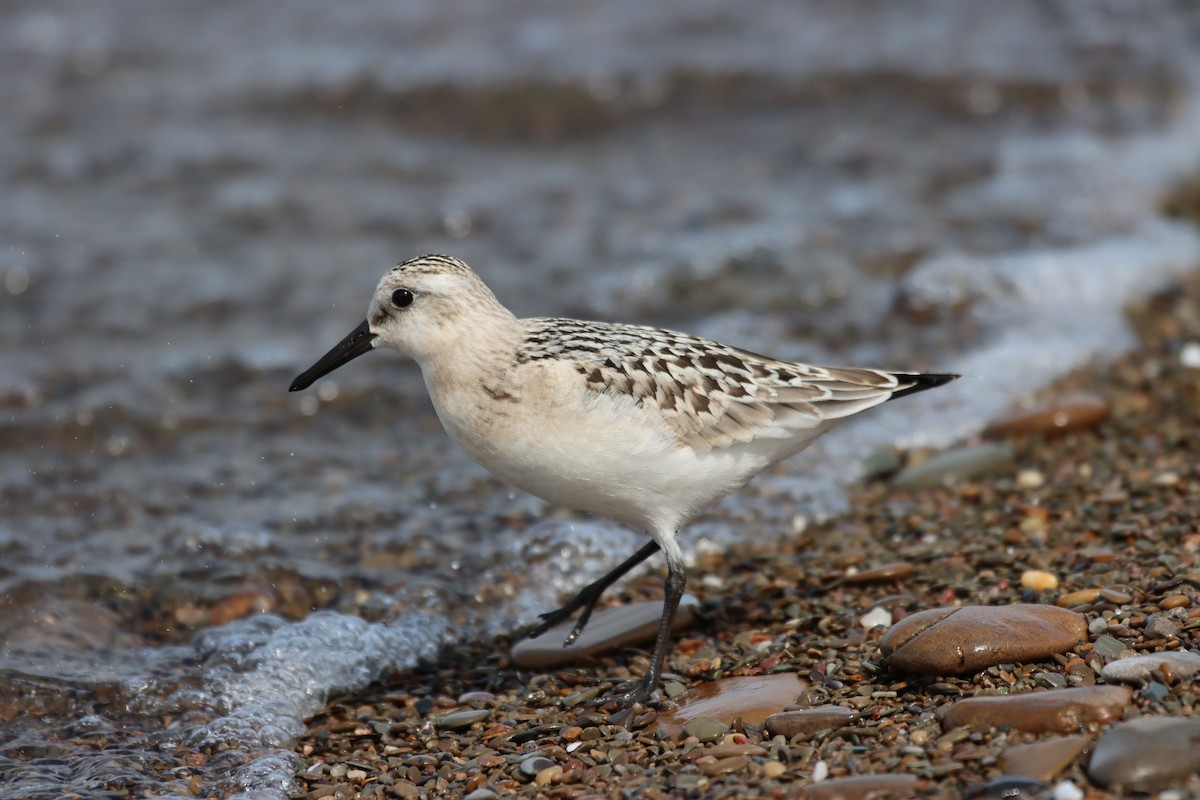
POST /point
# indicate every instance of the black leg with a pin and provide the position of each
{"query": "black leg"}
(589, 595)
(641, 691)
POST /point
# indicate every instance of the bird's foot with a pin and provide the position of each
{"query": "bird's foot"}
(586, 600)
(640, 692)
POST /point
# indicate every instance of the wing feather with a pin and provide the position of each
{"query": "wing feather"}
(711, 395)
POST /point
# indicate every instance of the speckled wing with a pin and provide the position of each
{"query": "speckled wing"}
(711, 395)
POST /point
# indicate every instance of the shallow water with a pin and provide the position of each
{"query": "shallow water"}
(198, 200)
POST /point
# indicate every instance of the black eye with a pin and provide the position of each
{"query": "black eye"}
(402, 298)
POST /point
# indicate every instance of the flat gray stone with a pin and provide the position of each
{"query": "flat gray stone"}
(463, 719)
(1146, 754)
(609, 629)
(958, 465)
(1138, 669)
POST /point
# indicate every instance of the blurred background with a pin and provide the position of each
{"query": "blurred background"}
(197, 199)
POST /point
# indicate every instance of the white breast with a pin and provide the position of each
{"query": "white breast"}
(600, 453)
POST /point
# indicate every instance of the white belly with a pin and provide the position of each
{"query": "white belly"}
(598, 453)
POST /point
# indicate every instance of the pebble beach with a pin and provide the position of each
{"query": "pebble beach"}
(1022, 623)
(214, 588)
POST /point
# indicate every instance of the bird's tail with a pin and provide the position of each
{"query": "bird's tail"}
(919, 382)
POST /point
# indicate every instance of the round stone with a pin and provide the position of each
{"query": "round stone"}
(1038, 580)
(706, 729)
(952, 641)
(533, 765)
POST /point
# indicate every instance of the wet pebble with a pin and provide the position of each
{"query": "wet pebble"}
(609, 629)
(475, 697)
(877, 617)
(1043, 760)
(893, 571)
(1030, 479)
(548, 775)
(726, 766)
(1052, 711)
(1158, 626)
(1078, 598)
(967, 463)
(706, 729)
(731, 749)
(1108, 646)
(582, 696)
(532, 766)
(1146, 754)
(809, 720)
(886, 784)
(752, 698)
(241, 603)
(1038, 580)
(1116, 596)
(481, 794)
(463, 719)
(1063, 415)
(951, 641)
(1175, 601)
(1181, 664)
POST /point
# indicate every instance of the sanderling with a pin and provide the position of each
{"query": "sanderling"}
(641, 425)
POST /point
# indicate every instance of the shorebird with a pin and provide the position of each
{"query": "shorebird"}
(641, 425)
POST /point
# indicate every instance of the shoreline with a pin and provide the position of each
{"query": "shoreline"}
(1100, 517)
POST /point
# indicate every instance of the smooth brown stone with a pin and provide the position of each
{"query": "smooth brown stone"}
(1116, 596)
(1051, 711)
(894, 571)
(1146, 754)
(1043, 760)
(809, 720)
(951, 641)
(752, 698)
(609, 629)
(1065, 415)
(726, 766)
(241, 603)
(1080, 597)
(728, 750)
(888, 784)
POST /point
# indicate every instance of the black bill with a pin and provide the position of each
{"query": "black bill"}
(358, 341)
